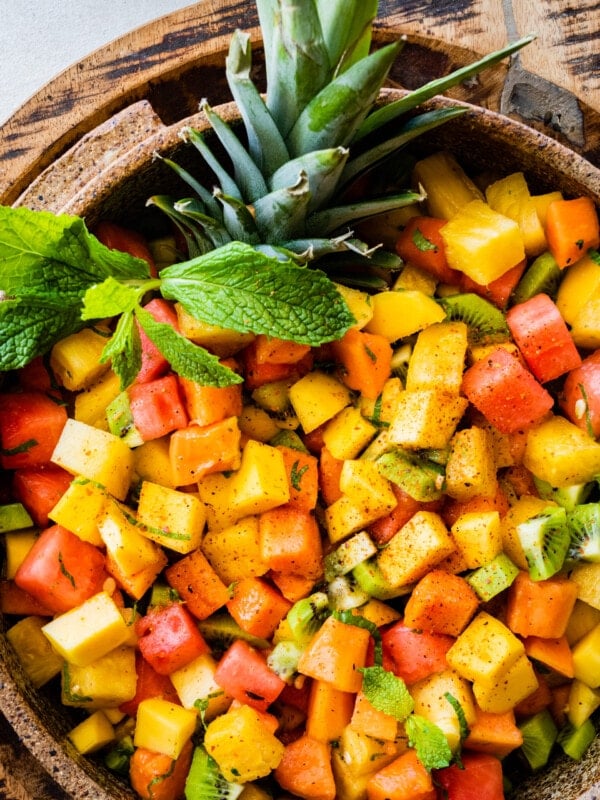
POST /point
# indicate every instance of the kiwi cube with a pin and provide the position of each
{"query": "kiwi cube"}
(493, 577)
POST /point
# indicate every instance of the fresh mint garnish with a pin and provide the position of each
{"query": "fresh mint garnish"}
(429, 741)
(386, 692)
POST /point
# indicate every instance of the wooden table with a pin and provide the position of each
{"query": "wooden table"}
(553, 85)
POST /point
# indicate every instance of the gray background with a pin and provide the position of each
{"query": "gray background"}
(40, 38)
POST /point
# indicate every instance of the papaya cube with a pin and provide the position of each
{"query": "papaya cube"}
(92, 734)
(586, 658)
(426, 418)
(88, 631)
(95, 454)
(316, 398)
(398, 314)
(39, 661)
(163, 727)
(418, 546)
(471, 467)
(506, 689)
(172, 518)
(560, 453)
(484, 650)
(75, 360)
(196, 681)
(348, 433)
(242, 745)
(80, 508)
(482, 243)
(104, 683)
(234, 552)
(438, 357)
(91, 404)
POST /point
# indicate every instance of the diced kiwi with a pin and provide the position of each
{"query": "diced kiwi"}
(545, 540)
(220, 630)
(14, 517)
(120, 420)
(273, 397)
(539, 735)
(291, 439)
(307, 615)
(492, 578)
(344, 558)
(283, 658)
(575, 741)
(486, 324)
(205, 781)
(419, 477)
(368, 576)
(566, 496)
(542, 275)
(162, 594)
(344, 593)
(584, 526)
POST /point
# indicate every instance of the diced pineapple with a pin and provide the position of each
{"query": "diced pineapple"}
(234, 552)
(346, 516)
(75, 360)
(478, 537)
(40, 662)
(153, 463)
(381, 410)
(96, 455)
(348, 433)
(92, 734)
(363, 755)
(542, 201)
(16, 546)
(256, 423)
(446, 184)
(510, 196)
(583, 618)
(484, 650)
(80, 508)
(580, 283)
(482, 243)
(164, 727)
(560, 453)
(172, 518)
(417, 547)
(106, 682)
(378, 612)
(417, 279)
(426, 418)
(221, 341)
(430, 699)
(401, 313)
(88, 631)
(471, 469)
(242, 745)
(438, 358)
(587, 578)
(586, 658)
(316, 398)
(582, 702)
(91, 404)
(364, 484)
(358, 302)
(506, 689)
(196, 681)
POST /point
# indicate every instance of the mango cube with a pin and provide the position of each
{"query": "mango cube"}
(104, 683)
(234, 552)
(471, 468)
(96, 455)
(401, 313)
(358, 302)
(152, 462)
(88, 631)
(485, 649)
(92, 734)
(40, 662)
(506, 689)
(586, 658)
(438, 357)
(317, 398)
(172, 518)
(348, 433)
(426, 418)
(75, 360)
(16, 546)
(430, 699)
(91, 404)
(79, 509)
(560, 453)
(164, 727)
(478, 537)
(363, 483)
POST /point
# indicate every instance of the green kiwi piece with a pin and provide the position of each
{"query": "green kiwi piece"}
(492, 578)
(221, 630)
(348, 554)
(283, 658)
(542, 276)
(368, 576)
(205, 781)
(545, 540)
(575, 741)
(120, 420)
(14, 517)
(539, 735)
(584, 527)
(421, 478)
(567, 496)
(273, 397)
(486, 323)
(344, 593)
(306, 616)
(289, 439)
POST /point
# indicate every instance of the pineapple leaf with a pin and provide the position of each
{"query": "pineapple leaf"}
(196, 240)
(347, 26)
(392, 111)
(337, 111)
(265, 143)
(311, 249)
(296, 58)
(331, 219)
(411, 129)
(211, 206)
(228, 185)
(238, 287)
(237, 219)
(248, 176)
(281, 215)
(322, 168)
(191, 210)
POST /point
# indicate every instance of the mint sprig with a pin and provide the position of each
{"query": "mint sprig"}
(386, 692)
(429, 741)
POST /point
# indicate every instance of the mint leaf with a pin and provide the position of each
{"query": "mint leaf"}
(429, 741)
(460, 713)
(124, 350)
(244, 289)
(422, 243)
(386, 692)
(108, 299)
(186, 358)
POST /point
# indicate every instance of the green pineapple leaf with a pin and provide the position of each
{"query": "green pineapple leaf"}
(322, 168)
(331, 219)
(227, 183)
(193, 211)
(211, 205)
(347, 28)
(281, 215)
(237, 219)
(197, 242)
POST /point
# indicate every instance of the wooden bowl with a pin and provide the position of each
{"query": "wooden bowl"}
(109, 174)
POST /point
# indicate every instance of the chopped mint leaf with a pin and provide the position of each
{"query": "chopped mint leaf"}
(460, 713)
(429, 741)
(124, 350)
(386, 692)
(109, 298)
(422, 243)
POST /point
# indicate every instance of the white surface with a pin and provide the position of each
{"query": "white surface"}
(40, 38)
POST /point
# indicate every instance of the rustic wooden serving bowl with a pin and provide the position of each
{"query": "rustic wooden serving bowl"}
(109, 173)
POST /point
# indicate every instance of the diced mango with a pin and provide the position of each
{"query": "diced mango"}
(560, 453)
(417, 279)
(507, 689)
(587, 579)
(234, 552)
(164, 727)
(582, 702)
(471, 469)
(16, 546)
(363, 483)
(438, 358)
(221, 341)
(172, 518)
(92, 734)
(510, 196)
(585, 328)
(317, 398)
(91, 404)
(478, 537)
(346, 516)
(348, 433)
(586, 658)
(430, 699)
(426, 418)
(358, 302)
(401, 313)
(80, 508)
(579, 284)
(106, 682)
(484, 650)
(153, 463)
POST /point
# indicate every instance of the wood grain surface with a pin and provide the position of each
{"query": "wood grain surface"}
(553, 85)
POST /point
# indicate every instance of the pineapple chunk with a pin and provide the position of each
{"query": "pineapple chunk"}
(256, 423)
(430, 699)
(478, 537)
(401, 313)
(446, 184)
(172, 518)
(88, 631)
(163, 727)
(40, 662)
(104, 683)
(438, 358)
(582, 702)
(580, 283)
(196, 681)
(508, 688)
(348, 433)
(586, 658)
(417, 547)
(482, 243)
(75, 360)
(80, 508)
(585, 328)
(417, 279)
(484, 650)
(347, 515)
(426, 418)
(583, 618)
(510, 196)
(364, 484)
(242, 745)
(381, 409)
(234, 552)
(587, 579)
(471, 469)
(95, 454)
(560, 453)
(153, 463)
(363, 755)
(358, 302)
(316, 398)
(92, 734)
(91, 404)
